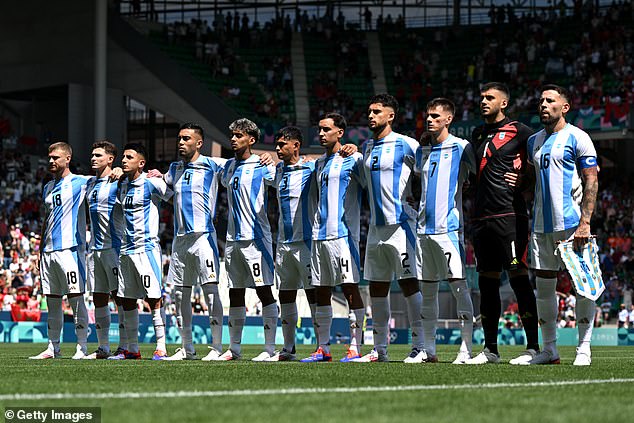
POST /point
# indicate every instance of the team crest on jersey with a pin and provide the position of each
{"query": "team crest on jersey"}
(247, 171)
(388, 150)
(501, 136)
(336, 166)
(446, 155)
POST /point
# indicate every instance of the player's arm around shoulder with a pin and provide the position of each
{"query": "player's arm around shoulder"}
(160, 188)
(270, 171)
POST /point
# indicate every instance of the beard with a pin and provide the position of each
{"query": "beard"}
(549, 120)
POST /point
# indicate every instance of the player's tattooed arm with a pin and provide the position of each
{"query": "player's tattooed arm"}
(590, 190)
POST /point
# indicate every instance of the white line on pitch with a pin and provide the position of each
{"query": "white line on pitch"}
(250, 392)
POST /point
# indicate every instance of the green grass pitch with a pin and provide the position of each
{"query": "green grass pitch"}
(242, 391)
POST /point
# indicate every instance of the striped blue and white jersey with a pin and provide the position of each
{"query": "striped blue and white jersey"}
(338, 183)
(195, 187)
(246, 182)
(295, 203)
(140, 200)
(106, 217)
(388, 165)
(65, 210)
(558, 159)
(444, 168)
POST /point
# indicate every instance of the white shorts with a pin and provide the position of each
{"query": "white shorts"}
(141, 275)
(335, 261)
(542, 250)
(63, 272)
(440, 257)
(249, 264)
(103, 271)
(390, 252)
(194, 260)
(292, 266)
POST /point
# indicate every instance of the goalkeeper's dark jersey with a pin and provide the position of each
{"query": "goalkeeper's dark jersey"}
(499, 148)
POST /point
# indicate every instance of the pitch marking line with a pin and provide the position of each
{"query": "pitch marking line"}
(249, 392)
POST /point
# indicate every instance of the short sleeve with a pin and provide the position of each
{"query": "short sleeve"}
(410, 147)
(269, 174)
(468, 158)
(585, 147)
(160, 188)
(357, 170)
(169, 176)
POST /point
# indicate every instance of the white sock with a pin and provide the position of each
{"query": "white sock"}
(80, 316)
(430, 315)
(465, 313)
(356, 318)
(288, 315)
(123, 336)
(237, 316)
(182, 302)
(214, 307)
(414, 311)
(381, 322)
(269, 320)
(585, 310)
(323, 318)
(102, 324)
(55, 322)
(159, 328)
(131, 319)
(547, 311)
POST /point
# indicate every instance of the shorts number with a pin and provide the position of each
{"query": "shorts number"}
(71, 277)
(434, 164)
(404, 262)
(256, 269)
(146, 281)
(236, 183)
(115, 272)
(375, 163)
(57, 200)
(210, 264)
(544, 161)
(345, 264)
(448, 258)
